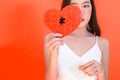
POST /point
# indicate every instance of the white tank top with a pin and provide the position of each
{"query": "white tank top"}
(68, 62)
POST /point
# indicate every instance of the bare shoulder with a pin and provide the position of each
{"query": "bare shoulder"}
(103, 45)
(103, 41)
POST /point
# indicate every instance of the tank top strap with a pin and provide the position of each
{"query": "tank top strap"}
(96, 39)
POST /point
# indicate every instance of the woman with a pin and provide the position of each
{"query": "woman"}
(83, 54)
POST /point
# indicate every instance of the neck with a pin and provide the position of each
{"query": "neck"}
(81, 32)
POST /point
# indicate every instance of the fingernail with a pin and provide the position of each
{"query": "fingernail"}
(82, 67)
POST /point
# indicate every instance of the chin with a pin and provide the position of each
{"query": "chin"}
(83, 24)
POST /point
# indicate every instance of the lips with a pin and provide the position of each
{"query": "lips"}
(82, 19)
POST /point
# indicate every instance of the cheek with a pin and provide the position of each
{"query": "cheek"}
(89, 12)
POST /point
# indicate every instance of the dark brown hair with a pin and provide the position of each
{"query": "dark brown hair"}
(93, 24)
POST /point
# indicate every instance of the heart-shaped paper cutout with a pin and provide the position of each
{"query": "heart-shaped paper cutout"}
(65, 21)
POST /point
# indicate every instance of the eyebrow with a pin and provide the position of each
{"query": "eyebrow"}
(83, 2)
(73, 3)
(86, 2)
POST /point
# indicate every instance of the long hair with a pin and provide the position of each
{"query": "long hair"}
(93, 23)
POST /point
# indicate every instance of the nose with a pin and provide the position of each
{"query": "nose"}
(82, 12)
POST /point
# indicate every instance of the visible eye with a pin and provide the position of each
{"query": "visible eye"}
(86, 6)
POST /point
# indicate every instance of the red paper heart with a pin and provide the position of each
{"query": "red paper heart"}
(65, 21)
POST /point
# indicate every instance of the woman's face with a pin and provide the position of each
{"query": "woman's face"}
(86, 9)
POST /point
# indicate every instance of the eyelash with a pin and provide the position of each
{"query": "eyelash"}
(86, 6)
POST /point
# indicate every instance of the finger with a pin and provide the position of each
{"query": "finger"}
(53, 41)
(88, 64)
(53, 35)
(57, 43)
(57, 46)
(80, 67)
(57, 35)
(89, 68)
(48, 36)
(93, 69)
(92, 72)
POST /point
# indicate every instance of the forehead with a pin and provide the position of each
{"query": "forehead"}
(79, 1)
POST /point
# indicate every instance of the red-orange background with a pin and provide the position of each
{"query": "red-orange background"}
(22, 31)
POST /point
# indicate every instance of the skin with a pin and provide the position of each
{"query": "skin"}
(86, 41)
